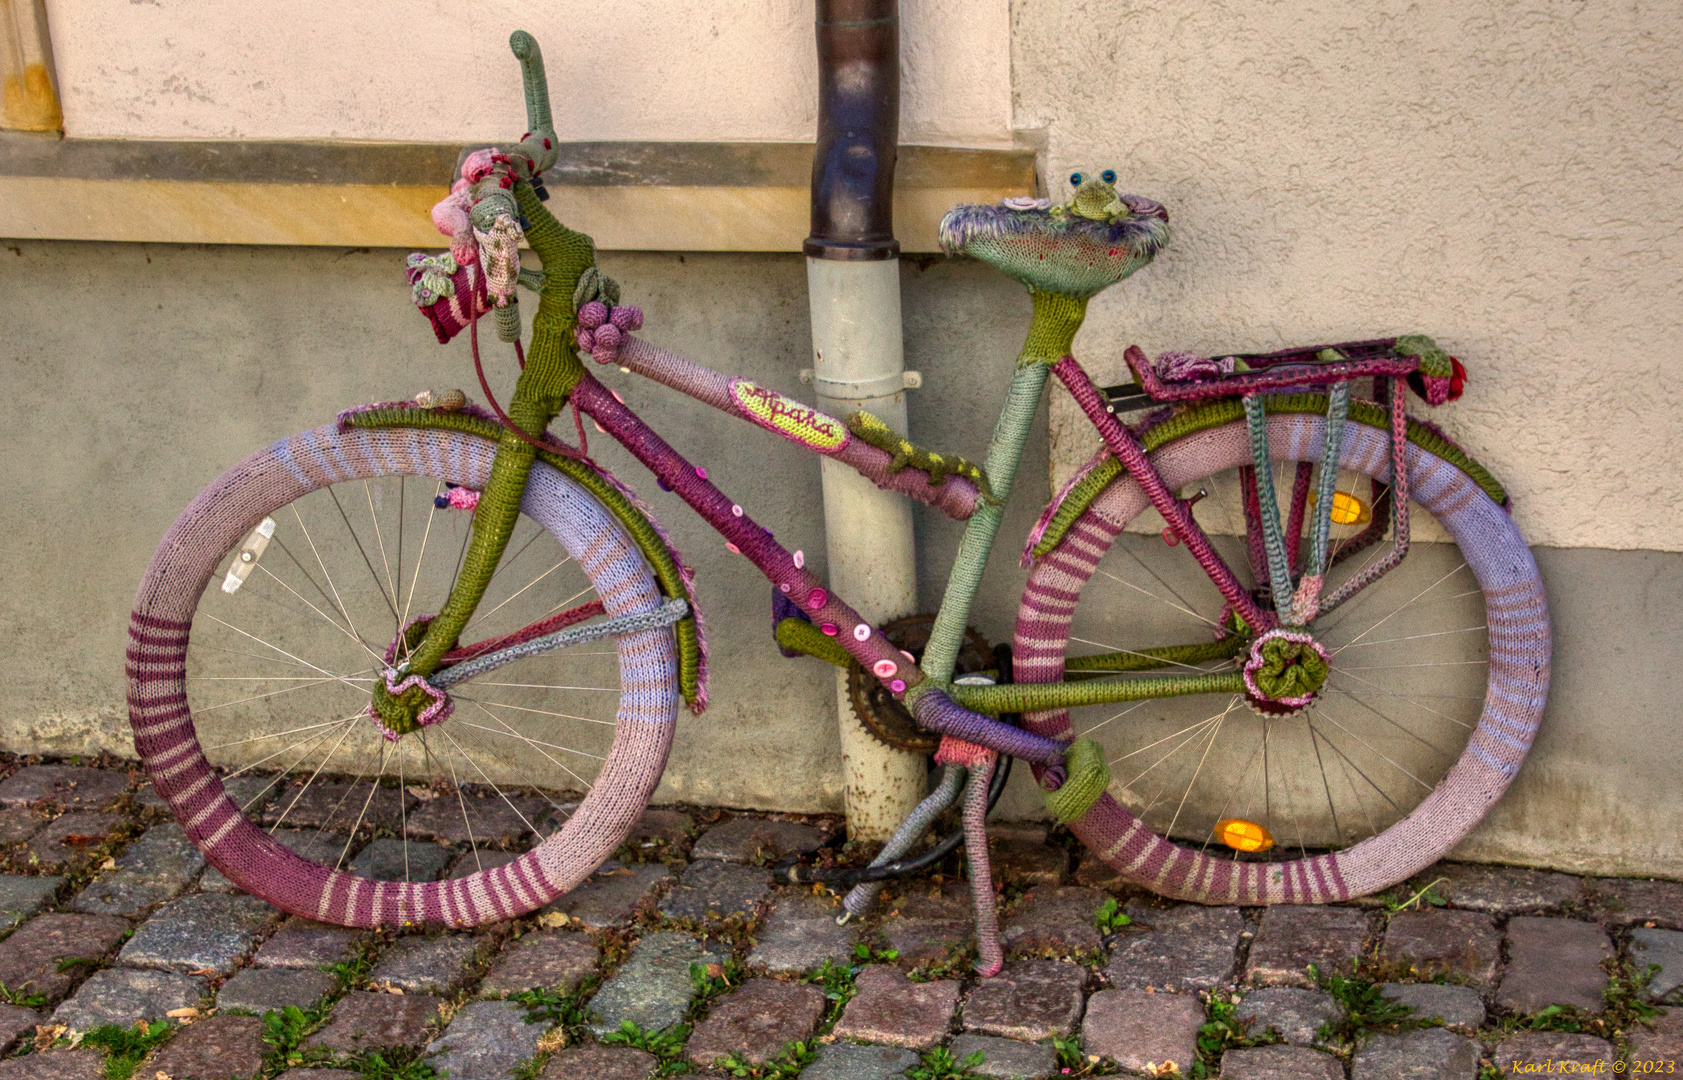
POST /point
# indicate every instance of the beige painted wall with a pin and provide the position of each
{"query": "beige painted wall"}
(1500, 174)
(428, 71)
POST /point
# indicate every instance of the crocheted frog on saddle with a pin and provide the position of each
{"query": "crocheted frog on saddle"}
(1075, 248)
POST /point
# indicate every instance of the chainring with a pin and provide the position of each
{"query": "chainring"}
(886, 719)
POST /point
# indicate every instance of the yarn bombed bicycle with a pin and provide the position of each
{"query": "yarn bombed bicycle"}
(1342, 638)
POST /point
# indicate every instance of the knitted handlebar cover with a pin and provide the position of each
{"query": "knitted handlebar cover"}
(215, 523)
(1519, 650)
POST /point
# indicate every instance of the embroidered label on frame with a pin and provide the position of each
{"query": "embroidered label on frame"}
(791, 419)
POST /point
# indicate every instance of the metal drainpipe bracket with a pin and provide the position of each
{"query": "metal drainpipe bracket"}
(862, 389)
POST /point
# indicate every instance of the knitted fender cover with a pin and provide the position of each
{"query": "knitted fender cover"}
(216, 521)
(1519, 644)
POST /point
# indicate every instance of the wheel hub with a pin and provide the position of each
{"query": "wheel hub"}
(1285, 672)
(402, 703)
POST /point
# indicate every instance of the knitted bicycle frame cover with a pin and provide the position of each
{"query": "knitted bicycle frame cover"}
(215, 523)
(1520, 646)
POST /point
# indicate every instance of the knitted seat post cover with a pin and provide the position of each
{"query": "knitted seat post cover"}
(215, 523)
(1519, 655)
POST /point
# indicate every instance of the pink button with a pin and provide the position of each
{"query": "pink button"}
(829, 629)
(732, 548)
(898, 686)
(862, 632)
(885, 668)
(817, 598)
(699, 471)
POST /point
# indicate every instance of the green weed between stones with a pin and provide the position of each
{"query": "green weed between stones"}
(1073, 1062)
(284, 1031)
(1366, 1011)
(125, 1047)
(667, 1046)
(1222, 1031)
(939, 1064)
(18, 997)
(1110, 917)
(839, 987)
(785, 1066)
(566, 1009)
(1427, 895)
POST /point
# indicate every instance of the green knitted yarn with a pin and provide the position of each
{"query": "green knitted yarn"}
(1220, 413)
(873, 431)
(1290, 669)
(1051, 332)
(798, 635)
(552, 366)
(1043, 697)
(1433, 360)
(1151, 659)
(1088, 777)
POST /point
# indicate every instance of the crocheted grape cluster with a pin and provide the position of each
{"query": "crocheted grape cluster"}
(601, 329)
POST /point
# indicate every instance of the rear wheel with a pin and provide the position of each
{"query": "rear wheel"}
(1437, 678)
(523, 789)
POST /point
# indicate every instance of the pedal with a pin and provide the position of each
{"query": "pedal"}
(250, 551)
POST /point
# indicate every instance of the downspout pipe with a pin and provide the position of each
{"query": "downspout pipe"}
(853, 281)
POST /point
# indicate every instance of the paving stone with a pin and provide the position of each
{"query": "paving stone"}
(1459, 1007)
(1292, 937)
(203, 932)
(614, 894)
(422, 965)
(1554, 962)
(1501, 890)
(712, 889)
(1006, 1057)
(1055, 920)
(1280, 1063)
(261, 989)
(1294, 1013)
(391, 859)
(548, 958)
(757, 1020)
(652, 989)
(603, 1063)
(21, 897)
(70, 838)
(16, 1021)
(486, 1040)
(1020, 854)
(1431, 1054)
(928, 929)
(29, 959)
(1028, 1000)
(71, 786)
(1135, 1028)
(890, 1008)
(1669, 1022)
(319, 1074)
(1095, 873)
(1632, 902)
(1557, 1047)
(365, 1021)
(490, 821)
(56, 1065)
(661, 828)
(800, 934)
(1661, 1053)
(307, 946)
(336, 806)
(19, 823)
(1439, 942)
(471, 862)
(123, 995)
(1188, 948)
(159, 866)
(219, 1048)
(757, 842)
(850, 1061)
(1664, 948)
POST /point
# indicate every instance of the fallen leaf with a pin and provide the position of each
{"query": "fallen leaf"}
(209, 973)
(181, 1014)
(47, 1034)
(553, 919)
(420, 792)
(715, 971)
(106, 863)
(552, 1041)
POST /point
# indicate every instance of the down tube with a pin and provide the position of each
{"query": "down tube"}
(862, 640)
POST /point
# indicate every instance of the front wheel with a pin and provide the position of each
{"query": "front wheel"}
(340, 818)
(1438, 674)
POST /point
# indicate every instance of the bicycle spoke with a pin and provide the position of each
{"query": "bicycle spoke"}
(380, 542)
(1115, 716)
(373, 788)
(1195, 772)
(357, 540)
(1376, 688)
(324, 760)
(492, 784)
(1159, 599)
(1388, 760)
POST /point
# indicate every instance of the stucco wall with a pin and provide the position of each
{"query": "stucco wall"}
(424, 71)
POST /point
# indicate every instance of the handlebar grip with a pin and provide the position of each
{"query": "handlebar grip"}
(525, 49)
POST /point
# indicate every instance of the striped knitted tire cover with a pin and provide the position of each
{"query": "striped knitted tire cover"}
(217, 521)
(1519, 637)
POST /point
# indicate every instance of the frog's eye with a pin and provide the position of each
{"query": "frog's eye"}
(1108, 176)
(1076, 179)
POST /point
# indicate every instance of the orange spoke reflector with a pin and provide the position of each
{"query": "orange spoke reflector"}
(1346, 509)
(1242, 835)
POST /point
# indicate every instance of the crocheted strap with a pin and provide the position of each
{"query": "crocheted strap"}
(938, 712)
(635, 622)
(1284, 377)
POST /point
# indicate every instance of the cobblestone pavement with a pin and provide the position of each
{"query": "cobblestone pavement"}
(681, 958)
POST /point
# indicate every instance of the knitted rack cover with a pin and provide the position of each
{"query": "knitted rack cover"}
(1519, 644)
(215, 523)
(1053, 252)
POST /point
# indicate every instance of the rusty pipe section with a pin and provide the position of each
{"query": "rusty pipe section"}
(858, 130)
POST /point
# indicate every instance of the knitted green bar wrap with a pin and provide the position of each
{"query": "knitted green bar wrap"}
(1088, 778)
(1159, 657)
(1043, 697)
(798, 635)
(552, 366)
(1220, 413)
(1051, 332)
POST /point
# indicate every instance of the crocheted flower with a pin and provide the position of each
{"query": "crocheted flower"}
(430, 277)
(1190, 367)
(601, 329)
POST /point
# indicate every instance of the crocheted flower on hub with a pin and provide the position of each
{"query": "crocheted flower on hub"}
(1077, 248)
(1286, 669)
